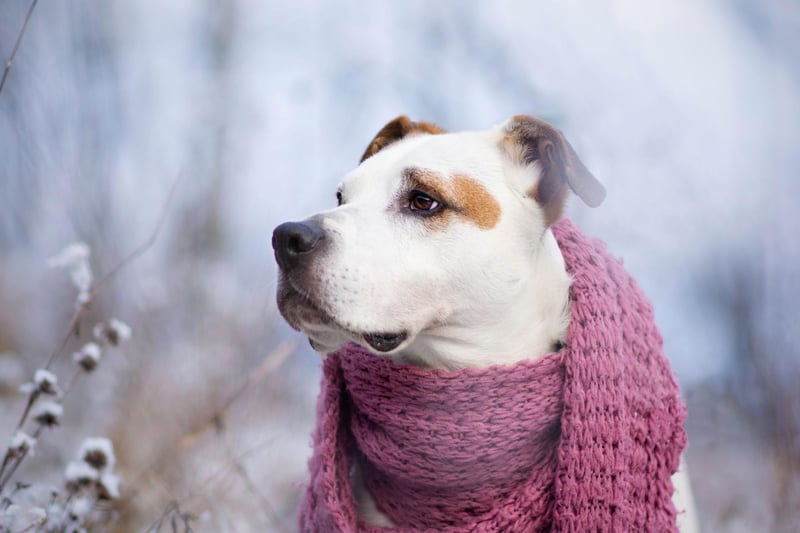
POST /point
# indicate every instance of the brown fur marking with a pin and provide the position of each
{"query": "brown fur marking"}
(463, 197)
(477, 204)
(396, 130)
(529, 140)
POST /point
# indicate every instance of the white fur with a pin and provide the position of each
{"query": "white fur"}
(469, 297)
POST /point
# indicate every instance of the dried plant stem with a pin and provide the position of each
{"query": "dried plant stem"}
(139, 250)
(172, 511)
(266, 506)
(75, 319)
(31, 400)
(73, 325)
(16, 461)
(202, 487)
(7, 457)
(86, 521)
(25, 412)
(72, 382)
(269, 364)
(35, 524)
(6, 461)
(16, 45)
(146, 245)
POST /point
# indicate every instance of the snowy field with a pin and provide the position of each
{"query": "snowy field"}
(205, 124)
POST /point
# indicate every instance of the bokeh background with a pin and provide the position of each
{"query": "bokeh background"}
(251, 111)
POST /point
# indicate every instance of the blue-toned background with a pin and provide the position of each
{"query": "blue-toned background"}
(689, 112)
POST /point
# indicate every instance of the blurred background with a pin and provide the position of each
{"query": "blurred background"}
(250, 113)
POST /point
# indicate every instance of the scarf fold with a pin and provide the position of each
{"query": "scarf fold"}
(584, 439)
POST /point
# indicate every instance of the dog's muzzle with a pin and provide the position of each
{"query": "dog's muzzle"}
(295, 242)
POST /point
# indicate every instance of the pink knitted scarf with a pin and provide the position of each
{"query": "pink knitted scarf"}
(584, 439)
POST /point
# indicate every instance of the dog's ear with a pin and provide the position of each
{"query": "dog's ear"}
(396, 130)
(528, 139)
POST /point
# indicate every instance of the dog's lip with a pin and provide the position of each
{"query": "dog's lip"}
(310, 302)
(385, 342)
(382, 342)
(325, 317)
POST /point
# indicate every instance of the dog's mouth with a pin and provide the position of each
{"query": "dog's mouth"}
(306, 314)
(385, 342)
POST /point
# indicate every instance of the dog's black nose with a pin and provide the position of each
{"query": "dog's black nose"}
(294, 241)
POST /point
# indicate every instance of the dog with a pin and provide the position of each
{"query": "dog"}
(439, 252)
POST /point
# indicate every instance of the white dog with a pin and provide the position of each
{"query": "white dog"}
(440, 252)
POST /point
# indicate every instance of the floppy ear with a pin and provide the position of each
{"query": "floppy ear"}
(528, 139)
(396, 130)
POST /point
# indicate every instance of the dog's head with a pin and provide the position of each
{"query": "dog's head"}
(431, 227)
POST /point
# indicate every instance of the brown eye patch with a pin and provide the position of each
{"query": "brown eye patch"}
(478, 205)
(461, 196)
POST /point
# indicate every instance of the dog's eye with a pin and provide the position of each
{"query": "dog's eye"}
(419, 201)
(338, 197)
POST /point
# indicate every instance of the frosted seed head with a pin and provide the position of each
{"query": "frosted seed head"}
(48, 413)
(115, 332)
(88, 357)
(122, 331)
(44, 382)
(79, 474)
(75, 258)
(108, 486)
(20, 444)
(98, 452)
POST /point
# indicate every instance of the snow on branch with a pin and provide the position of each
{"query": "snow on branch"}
(75, 258)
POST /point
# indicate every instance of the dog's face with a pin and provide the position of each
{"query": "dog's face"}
(431, 228)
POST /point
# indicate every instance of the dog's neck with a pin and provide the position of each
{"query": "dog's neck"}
(530, 326)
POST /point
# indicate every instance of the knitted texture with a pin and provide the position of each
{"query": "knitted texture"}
(584, 439)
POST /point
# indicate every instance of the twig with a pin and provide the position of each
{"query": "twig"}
(72, 382)
(18, 460)
(7, 500)
(156, 526)
(37, 523)
(173, 511)
(7, 457)
(16, 45)
(139, 250)
(202, 487)
(225, 470)
(146, 245)
(31, 400)
(269, 364)
(73, 324)
(266, 506)
(86, 521)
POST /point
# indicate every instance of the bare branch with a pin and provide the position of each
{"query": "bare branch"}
(33, 525)
(146, 245)
(174, 513)
(139, 250)
(269, 364)
(6, 475)
(266, 506)
(16, 45)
